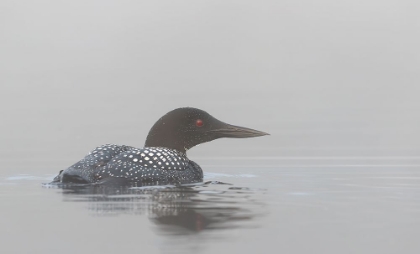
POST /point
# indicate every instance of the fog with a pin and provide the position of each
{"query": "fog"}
(327, 79)
(314, 74)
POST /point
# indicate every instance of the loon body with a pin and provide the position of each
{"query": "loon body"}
(163, 160)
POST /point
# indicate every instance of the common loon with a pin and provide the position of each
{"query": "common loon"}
(163, 159)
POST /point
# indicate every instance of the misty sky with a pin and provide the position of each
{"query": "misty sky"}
(312, 73)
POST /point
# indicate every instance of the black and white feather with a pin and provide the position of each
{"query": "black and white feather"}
(151, 165)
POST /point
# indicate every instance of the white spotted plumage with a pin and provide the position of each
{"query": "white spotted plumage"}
(147, 165)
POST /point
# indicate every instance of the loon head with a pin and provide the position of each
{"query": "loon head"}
(183, 128)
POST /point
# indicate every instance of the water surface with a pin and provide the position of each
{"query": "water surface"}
(291, 209)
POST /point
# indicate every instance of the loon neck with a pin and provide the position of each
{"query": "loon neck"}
(170, 150)
(167, 134)
(166, 141)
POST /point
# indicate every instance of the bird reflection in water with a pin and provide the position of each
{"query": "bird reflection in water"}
(182, 209)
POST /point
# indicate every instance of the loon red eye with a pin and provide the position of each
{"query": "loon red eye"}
(199, 123)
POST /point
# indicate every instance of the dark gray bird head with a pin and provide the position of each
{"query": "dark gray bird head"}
(184, 128)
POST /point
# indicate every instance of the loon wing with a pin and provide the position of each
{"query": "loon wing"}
(84, 171)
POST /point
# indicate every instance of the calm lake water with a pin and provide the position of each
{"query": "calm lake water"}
(245, 205)
(335, 84)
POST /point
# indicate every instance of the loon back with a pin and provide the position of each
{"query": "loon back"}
(163, 160)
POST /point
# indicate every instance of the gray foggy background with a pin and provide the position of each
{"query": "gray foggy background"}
(333, 82)
(314, 74)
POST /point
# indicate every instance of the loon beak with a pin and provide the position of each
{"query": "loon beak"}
(232, 131)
